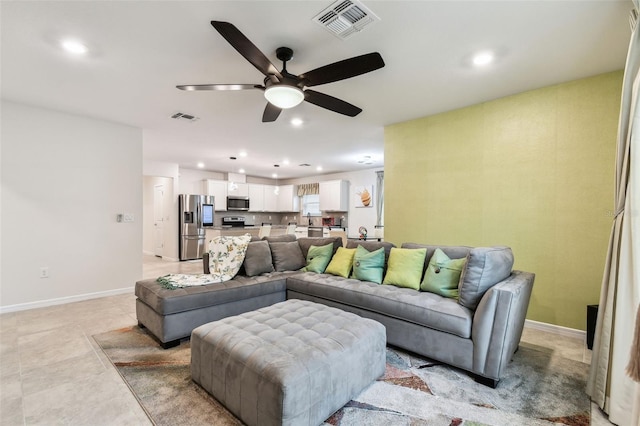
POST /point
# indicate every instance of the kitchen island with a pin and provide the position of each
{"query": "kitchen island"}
(236, 231)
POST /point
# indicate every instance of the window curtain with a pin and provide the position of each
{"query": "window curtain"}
(610, 384)
(379, 197)
(308, 189)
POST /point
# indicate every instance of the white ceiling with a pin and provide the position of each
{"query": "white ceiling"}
(140, 50)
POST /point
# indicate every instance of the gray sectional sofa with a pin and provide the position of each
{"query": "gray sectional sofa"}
(479, 332)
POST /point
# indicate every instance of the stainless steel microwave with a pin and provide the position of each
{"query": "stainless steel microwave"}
(237, 203)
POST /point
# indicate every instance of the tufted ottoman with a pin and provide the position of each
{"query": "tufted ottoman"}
(292, 363)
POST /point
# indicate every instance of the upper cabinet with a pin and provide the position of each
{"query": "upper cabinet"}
(288, 200)
(270, 199)
(238, 189)
(218, 189)
(256, 197)
(334, 196)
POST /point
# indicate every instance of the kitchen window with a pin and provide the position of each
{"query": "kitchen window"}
(311, 205)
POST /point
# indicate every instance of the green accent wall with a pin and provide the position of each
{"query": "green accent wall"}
(533, 171)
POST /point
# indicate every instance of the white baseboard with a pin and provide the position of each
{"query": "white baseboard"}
(149, 253)
(556, 329)
(63, 300)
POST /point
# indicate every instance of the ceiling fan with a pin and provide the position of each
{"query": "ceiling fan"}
(285, 90)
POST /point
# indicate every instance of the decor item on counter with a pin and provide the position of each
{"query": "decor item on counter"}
(363, 196)
(285, 90)
(363, 232)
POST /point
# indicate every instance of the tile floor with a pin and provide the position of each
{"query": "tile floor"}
(53, 373)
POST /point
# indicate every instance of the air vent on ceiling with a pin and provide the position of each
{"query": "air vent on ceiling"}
(345, 18)
(185, 117)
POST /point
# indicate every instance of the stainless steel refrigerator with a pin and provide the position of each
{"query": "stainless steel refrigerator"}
(196, 214)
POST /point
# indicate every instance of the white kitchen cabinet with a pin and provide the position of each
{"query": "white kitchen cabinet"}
(270, 199)
(238, 189)
(334, 196)
(256, 197)
(217, 188)
(288, 200)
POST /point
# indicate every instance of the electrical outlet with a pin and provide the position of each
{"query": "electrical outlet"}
(44, 272)
(128, 217)
(269, 217)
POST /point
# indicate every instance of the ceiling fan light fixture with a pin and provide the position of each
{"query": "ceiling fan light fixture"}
(284, 96)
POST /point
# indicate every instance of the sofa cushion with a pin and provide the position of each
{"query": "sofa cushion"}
(443, 275)
(341, 262)
(280, 238)
(318, 258)
(373, 246)
(307, 242)
(257, 260)
(368, 266)
(167, 302)
(422, 308)
(405, 267)
(454, 252)
(486, 266)
(287, 256)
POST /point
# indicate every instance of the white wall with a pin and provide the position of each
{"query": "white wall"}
(64, 180)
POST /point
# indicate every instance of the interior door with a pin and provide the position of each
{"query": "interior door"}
(158, 219)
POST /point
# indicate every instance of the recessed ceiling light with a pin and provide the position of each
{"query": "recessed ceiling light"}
(74, 46)
(243, 153)
(200, 165)
(285, 162)
(483, 58)
(274, 175)
(319, 168)
(297, 121)
(241, 171)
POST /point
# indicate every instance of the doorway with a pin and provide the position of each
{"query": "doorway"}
(158, 220)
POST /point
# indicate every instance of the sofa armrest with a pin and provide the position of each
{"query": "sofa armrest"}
(205, 263)
(498, 323)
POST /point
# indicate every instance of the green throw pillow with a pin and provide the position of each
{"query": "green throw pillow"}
(341, 262)
(318, 257)
(443, 275)
(405, 267)
(368, 266)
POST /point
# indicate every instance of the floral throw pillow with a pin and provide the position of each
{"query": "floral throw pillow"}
(226, 255)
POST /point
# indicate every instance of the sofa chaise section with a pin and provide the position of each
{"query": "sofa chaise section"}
(171, 315)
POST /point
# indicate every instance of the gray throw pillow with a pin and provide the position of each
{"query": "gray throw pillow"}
(280, 238)
(287, 256)
(257, 260)
(486, 266)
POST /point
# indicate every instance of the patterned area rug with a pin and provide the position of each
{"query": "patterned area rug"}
(538, 389)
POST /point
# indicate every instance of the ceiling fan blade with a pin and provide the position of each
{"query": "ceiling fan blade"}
(191, 87)
(331, 103)
(247, 49)
(271, 113)
(343, 69)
